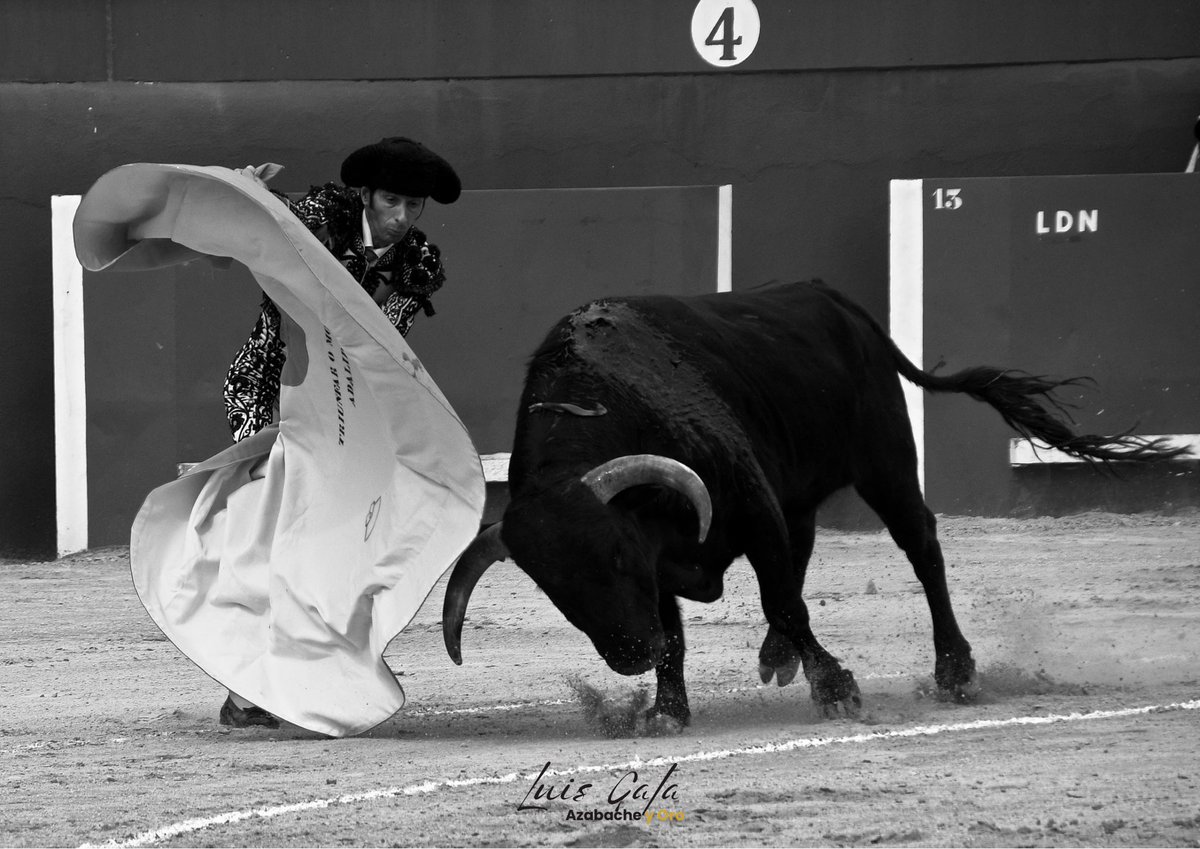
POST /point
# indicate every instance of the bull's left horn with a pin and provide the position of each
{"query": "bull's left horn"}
(620, 473)
(483, 551)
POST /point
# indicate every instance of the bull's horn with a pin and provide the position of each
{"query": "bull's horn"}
(483, 551)
(620, 473)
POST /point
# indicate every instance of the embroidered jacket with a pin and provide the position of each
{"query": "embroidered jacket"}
(334, 215)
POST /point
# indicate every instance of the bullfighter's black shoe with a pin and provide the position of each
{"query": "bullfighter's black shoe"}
(237, 717)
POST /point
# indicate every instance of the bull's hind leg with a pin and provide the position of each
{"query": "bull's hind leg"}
(914, 528)
(790, 642)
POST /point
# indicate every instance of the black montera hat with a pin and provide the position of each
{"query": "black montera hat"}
(403, 166)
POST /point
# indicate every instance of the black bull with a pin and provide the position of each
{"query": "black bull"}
(643, 420)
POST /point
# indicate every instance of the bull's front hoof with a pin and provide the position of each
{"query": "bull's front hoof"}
(667, 719)
(656, 723)
(964, 693)
(783, 674)
(778, 659)
(846, 709)
(837, 693)
(956, 680)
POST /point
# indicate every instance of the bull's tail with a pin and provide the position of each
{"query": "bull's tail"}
(1028, 405)
(1026, 402)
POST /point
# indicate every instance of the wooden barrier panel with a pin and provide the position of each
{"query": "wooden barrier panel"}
(516, 261)
(1066, 276)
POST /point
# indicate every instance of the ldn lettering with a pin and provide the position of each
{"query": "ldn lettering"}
(1062, 221)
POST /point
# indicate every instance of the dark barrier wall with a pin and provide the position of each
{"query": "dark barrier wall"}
(839, 97)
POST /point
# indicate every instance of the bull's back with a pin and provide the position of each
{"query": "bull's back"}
(786, 338)
(778, 373)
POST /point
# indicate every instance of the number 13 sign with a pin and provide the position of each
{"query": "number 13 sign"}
(725, 32)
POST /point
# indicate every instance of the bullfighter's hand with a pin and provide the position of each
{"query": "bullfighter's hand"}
(260, 174)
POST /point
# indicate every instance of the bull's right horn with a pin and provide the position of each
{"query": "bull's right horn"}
(608, 479)
(483, 551)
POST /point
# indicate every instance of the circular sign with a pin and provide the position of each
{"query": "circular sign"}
(725, 32)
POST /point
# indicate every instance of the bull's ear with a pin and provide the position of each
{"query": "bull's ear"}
(620, 473)
(483, 551)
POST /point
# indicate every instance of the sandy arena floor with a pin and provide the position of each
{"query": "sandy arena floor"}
(1086, 629)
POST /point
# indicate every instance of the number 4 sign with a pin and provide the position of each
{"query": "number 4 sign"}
(725, 32)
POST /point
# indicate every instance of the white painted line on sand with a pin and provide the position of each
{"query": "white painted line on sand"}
(485, 708)
(148, 838)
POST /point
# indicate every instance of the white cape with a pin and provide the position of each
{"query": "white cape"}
(285, 564)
